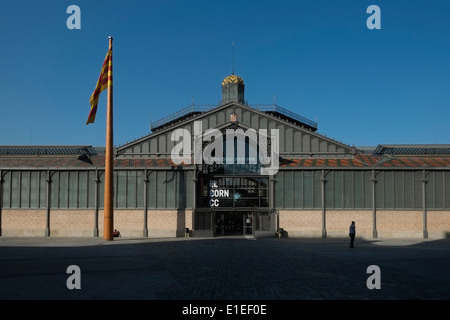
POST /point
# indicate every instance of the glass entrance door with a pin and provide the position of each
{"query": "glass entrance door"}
(229, 223)
(248, 223)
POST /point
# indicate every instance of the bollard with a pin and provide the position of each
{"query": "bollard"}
(280, 233)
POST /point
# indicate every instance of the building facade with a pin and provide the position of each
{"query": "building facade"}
(231, 169)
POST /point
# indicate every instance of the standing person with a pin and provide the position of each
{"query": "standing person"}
(352, 233)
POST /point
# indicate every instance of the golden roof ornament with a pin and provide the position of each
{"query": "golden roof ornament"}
(232, 79)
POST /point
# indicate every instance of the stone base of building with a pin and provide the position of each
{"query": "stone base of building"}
(169, 223)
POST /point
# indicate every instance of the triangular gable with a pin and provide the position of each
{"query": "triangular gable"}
(295, 140)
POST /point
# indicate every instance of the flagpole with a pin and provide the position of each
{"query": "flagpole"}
(109, 183)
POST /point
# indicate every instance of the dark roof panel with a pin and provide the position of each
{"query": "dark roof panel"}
(48, 150)
(427, 149)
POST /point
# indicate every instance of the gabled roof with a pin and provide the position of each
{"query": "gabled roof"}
(358, 161)
(50, 156)
(274, 113)
(45, 161)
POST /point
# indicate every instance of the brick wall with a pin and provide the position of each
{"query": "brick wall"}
(81, 223)
(172, 223)
(23, 222)
(389, 223)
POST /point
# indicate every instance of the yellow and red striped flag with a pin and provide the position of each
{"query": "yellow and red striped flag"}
(104, 81)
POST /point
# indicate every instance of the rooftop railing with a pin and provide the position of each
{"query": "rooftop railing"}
(260, 107)
(284, 111)
(179, 114)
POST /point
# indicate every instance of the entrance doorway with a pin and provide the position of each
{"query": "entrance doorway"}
(257, 223)
(229, 223)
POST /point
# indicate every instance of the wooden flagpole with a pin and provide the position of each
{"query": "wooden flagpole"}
(109, 182)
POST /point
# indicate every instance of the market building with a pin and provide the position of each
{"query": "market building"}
(230, 169)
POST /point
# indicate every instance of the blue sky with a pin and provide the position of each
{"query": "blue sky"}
(364, 87)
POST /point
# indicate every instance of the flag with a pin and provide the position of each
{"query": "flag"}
(104, 81)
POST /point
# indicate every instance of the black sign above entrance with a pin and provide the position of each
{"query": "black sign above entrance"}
(231, 192)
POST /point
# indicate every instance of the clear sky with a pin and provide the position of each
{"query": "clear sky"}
(318, 58)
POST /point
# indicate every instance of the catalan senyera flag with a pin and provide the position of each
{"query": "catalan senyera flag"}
(104, 81)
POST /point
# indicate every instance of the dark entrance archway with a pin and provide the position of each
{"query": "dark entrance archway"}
(231, 223)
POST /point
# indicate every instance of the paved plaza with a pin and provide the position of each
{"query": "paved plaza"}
(224, 269)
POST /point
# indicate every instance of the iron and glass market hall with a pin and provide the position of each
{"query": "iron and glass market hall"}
(233, 169)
